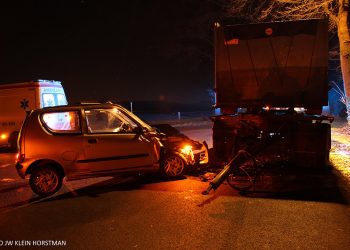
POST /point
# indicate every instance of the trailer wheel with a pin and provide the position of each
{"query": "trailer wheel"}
(243, 177)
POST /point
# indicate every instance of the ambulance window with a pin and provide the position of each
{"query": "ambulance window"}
(62, 122)
(48, 100)
(61, 100)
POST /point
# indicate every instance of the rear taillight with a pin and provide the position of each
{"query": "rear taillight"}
(20, 158)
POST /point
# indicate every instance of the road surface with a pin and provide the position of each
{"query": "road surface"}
(146, 212)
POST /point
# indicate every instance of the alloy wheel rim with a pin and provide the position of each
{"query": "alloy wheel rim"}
(173, 166)
(46, 181)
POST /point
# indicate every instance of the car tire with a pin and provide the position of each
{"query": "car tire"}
(173, 166)
(45, 181)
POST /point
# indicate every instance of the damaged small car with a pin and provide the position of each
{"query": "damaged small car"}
(90, 140)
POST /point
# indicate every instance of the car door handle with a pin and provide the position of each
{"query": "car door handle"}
(94, 140)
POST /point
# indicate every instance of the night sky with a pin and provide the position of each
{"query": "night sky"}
(111, 50)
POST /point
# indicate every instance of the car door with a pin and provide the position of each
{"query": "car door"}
(112, 145)
(65, 141)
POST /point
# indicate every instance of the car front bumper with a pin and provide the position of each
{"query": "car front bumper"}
(201, 156)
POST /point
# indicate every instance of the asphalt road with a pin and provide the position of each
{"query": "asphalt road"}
(149, 214)
(308, 211)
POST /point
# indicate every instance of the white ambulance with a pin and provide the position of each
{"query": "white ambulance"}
(17, 98)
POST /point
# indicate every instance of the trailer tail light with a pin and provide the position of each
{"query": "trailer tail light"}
(20, 158)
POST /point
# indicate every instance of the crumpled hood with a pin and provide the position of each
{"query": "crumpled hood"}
(174, 139)
(179, 141)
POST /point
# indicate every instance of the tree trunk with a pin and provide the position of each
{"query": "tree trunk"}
(344, 42)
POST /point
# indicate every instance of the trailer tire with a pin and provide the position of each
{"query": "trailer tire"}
(243, 177)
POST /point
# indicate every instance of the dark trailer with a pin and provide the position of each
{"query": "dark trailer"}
(271, 84)
(281, 64)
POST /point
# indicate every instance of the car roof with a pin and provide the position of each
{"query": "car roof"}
(78, 106)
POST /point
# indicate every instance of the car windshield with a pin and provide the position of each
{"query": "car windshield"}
(136, 118)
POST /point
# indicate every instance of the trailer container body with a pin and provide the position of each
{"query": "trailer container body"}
(271, 84)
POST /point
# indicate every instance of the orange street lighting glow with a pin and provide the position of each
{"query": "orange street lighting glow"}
(3, 136)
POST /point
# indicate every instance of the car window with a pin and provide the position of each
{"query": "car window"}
(108, 121)
(62, 122)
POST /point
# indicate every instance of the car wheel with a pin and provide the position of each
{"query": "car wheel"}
(173, 166)
(45, 181)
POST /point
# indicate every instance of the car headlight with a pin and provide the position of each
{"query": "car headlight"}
(187, 152)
